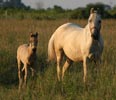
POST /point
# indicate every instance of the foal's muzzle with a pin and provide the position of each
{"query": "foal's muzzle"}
(34, 49)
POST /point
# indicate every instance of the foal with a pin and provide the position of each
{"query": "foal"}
(26, 54)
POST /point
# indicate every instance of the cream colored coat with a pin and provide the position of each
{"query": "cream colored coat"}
(76, 43)
(26, 54)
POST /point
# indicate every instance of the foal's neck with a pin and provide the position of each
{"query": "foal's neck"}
(30, 51)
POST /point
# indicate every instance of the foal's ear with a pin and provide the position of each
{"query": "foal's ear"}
(92, 10)
(31, 34)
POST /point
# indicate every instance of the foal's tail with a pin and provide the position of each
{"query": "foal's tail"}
(51, 51)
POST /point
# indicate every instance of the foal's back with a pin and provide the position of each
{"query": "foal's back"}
(22, 52)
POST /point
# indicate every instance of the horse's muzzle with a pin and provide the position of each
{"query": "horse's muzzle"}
(95, 34)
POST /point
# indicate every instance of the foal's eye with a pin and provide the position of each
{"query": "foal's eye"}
(99, 21)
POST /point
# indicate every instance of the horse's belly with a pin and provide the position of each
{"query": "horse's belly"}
(74, 55)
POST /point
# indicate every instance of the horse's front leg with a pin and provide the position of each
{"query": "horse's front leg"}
(85, 68)
(97, 64)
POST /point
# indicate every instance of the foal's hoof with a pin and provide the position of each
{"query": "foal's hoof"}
(19, 90)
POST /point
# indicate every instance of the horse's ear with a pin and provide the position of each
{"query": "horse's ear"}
(92, 10)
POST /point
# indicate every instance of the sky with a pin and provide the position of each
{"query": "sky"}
(66, 4)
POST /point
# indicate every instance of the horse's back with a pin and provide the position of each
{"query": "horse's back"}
(69, 27)
(68, 30)
(69, 38)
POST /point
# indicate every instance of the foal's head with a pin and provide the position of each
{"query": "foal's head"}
(33, 41)
(94, 22)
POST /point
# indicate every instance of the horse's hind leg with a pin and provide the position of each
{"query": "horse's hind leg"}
(20, 74)
(66, 65)
(59, 58)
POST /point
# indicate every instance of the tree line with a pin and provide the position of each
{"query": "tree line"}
(57, 12)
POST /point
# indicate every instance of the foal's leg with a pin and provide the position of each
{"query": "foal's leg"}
(85, 68)
(32, 71)
(19, 74)
(23, 69)
(25, 76)
(33, 68)
(66, 65)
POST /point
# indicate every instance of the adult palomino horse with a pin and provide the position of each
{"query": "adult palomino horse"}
(76, 43)
(26, 54)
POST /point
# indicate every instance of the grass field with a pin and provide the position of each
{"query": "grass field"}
(100, 86)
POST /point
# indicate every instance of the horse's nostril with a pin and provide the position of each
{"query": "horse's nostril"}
(95, 36)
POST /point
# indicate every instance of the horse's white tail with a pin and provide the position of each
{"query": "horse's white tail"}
(51, 51)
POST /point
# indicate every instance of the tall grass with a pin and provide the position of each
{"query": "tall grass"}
(100, 86)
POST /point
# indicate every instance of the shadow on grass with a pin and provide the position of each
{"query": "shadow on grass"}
(9, 76)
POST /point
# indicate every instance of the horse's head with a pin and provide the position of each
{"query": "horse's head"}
(94, 22)
(33, 41)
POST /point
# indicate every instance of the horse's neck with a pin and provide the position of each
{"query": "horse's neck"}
(87, 33)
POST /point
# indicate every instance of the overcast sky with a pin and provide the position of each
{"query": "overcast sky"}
(65, 3)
